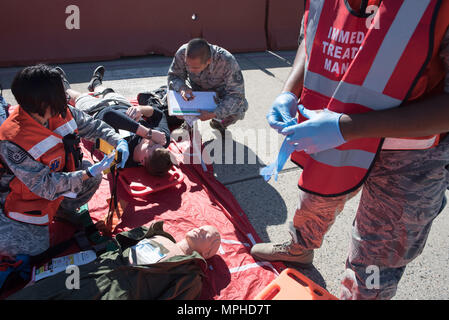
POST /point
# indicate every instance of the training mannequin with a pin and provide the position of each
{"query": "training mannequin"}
(124, 273)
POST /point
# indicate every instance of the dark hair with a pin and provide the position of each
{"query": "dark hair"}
(38, 87)
(198, 48)
(159, 163)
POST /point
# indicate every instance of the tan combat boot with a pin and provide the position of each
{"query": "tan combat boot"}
(289, 251)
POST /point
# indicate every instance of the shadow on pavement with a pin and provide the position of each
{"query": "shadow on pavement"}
(312, 273)
(262, 203)
(152, 66)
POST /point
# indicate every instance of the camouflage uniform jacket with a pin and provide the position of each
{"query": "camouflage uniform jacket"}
(36, 176)
(223, 76)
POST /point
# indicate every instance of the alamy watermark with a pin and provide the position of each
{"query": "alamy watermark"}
(373, 280)
(372, 22)
(73, 20)
(241, 146)
(72, 282)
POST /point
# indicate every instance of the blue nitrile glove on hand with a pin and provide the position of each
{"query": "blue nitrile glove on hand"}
(99, 167)
(276, 167)
(123, 148)
(283, 111)
(320, 132)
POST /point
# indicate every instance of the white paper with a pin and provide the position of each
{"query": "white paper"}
(190, 120)
(60, 264)
(145, 253)
(177, 106)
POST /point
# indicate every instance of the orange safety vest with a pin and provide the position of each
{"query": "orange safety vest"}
(45, 145)
(359, 64)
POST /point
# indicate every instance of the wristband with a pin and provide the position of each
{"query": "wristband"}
(149, 134)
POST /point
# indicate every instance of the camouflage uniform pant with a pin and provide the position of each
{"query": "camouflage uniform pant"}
(403, 194)
(88, 189)
(226, 122)
(23, 238)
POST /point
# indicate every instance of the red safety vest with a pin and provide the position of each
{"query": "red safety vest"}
(44, 145)
(354, 67)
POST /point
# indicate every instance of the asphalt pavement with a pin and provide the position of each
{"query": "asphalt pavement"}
(250, 144)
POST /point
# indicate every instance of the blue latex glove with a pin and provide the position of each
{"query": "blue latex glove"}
(283, 111)
(276, 167)
(123, 148)
(320, 132)
(104, 164)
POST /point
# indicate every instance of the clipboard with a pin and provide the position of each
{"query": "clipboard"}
(177, 106)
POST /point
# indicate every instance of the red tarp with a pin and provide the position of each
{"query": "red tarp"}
(199, 200)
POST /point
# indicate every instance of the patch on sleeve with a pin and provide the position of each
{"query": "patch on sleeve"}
(17, 156)
(55, 164)
(238, 77)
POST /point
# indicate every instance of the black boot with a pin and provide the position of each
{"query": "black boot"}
(97, 79)
(63, 77)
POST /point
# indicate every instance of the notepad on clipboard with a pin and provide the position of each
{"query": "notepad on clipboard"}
(177, 106)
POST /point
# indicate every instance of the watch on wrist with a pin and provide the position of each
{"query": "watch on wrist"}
(88, 173)
(149, 134)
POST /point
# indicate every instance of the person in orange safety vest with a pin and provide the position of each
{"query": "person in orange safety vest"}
(372, 81)
(42, 171)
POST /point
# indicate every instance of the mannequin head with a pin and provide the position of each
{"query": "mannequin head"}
(205, 240)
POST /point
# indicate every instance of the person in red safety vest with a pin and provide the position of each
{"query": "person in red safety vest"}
(372, 77)
(42, 171)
